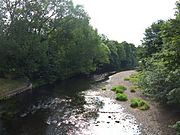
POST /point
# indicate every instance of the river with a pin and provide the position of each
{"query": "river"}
(72, 107)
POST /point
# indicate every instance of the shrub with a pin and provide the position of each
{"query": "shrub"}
(139, 103)
(119, 89)
(144, 107)
(126, 79)
(163, 85)
(121, 97)
(177, 127)
(136, 78)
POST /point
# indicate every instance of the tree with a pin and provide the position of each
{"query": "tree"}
(152, 42)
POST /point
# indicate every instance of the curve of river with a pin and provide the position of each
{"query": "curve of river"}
(72, 107)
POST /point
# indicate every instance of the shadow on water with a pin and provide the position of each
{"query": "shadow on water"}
(29, 113)
(71, 107)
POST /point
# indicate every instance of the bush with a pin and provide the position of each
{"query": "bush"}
(144, 107)
(139, 103)
(177, 127)
(121, 97)
(126, 79)
(163, 85)
(118, 89)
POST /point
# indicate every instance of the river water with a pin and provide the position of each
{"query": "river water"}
(71, 107)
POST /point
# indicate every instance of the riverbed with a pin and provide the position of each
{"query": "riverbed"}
(79, 106)
(73, 107)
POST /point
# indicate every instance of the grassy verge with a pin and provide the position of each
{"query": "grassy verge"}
(7, 85)
(135, 80)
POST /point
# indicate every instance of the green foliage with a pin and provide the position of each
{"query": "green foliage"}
(162, 85)
(103, 55)
(139, 103)
(152, 41)
(122, 55)
(126, 79)
(177, 127)
(121, 97)
(134, 78)
(161, 63)
(118, 89)
(49, 40)
(173, 96)
(134, 87)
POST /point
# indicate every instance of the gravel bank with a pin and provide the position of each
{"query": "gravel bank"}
(154, 121)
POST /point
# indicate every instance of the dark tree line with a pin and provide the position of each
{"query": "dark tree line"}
(52, 39)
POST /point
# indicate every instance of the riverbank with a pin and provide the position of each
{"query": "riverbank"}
(9, 88)
(154, 121)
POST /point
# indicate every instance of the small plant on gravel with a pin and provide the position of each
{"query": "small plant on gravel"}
(104, 88)
(139, 103)
(134, 78)
(134, 87)
(132, 90)
(126, 79)
(121, 97)
(119, 89)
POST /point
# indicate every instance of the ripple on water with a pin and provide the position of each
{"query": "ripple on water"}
(99, 115)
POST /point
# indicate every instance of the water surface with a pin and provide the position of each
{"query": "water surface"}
(72, 107)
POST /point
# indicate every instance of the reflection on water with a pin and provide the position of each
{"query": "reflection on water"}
(73, 107)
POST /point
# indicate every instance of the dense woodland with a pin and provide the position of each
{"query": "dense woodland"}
(160, 62)
(46, 40)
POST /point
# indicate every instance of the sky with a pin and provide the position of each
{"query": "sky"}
(126, 20)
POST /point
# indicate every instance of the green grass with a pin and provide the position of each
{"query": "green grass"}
(7, 85)
(118, 89)
(126, 79)
(139, 103)
(134, 78)
(134, 87)
(121, 97)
